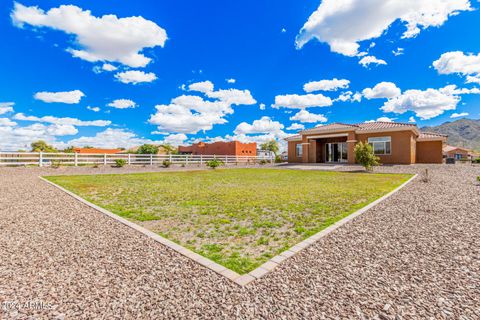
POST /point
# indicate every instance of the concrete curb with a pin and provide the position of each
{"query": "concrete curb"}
(259, 272)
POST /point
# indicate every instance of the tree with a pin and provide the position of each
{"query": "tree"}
(169, 149)
(147, 149)
(365, 156)
(69, 149)
(271, 146)
(42, 146)
(88, 147)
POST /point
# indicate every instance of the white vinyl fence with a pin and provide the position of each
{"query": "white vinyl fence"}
(76, 159)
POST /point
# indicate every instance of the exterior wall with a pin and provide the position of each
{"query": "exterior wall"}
(404, 148)
(292, 152)
(401, 147)
(232, 148)
(429, 152)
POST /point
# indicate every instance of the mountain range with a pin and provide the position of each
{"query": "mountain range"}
(461, 133)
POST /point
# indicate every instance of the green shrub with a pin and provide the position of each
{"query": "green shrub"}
(278, 159)
(56, 164)
(120, 163)
(365, 156)
(476, 160)
(478, 178)
(214, 163)
(147, 149)
(166, 163)
(263, 161)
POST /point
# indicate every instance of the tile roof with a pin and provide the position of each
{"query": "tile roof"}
(429, 135)
(359, 127)
(294, 137)
(331, 127)
(379, 125)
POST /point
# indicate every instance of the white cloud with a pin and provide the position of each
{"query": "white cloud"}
(326, 85)
(122, 104)
(16, 138)
(7, 122)
(349, 96)
(231, 80)
(398, 52)
(307, 117)
(94, 109)
(295, 101)
(382, 90)
(61, 130)
(411, 120)
(426, 104)
(381, 119)
(106, 38)
(69, 97)
(459, 115)
(111, 138)
(204, 86)
(191, 114)
(108, 67)
(342, 24)
(263, 125)
(368, 60)
(175, 139)
(63, 121)
(135, 76)
(467, 65)
(458, 62)
(262, 106)
(6, 107)
(296, 126)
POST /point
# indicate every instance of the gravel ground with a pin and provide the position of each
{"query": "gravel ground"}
(414, 256)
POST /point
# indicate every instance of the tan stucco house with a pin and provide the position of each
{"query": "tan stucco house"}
(393, 143)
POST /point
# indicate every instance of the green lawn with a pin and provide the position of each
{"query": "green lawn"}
(237, 217)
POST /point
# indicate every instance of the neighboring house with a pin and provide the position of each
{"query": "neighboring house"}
(392, 142)
(459, 153)
(96, 150)
(231, 148)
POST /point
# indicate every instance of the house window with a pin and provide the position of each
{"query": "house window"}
(458, 156)
(299, 150)
(381, 145)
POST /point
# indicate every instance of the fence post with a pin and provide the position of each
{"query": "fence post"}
(129, 160)
(75, 159)
(170, 158)
(40, 159)
(186, 160)
(226, 160)
(201, 159)
(151, 159)
(104, 159)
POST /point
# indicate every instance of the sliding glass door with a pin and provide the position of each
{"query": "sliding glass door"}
(336, 152)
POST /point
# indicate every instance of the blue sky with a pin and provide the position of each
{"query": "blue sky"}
(185, 56)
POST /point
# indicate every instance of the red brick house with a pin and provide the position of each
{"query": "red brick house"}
(231, 148)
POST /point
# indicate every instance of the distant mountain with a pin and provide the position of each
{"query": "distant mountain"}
(461, 133)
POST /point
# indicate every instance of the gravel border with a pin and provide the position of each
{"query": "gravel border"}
(253, 275)
(415, 255)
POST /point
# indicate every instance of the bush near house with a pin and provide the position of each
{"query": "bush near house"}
(120, 163)
(214, 163)
(166, 163)
(365, 156)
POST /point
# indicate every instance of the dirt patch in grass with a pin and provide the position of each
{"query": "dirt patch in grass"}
(237, 217)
